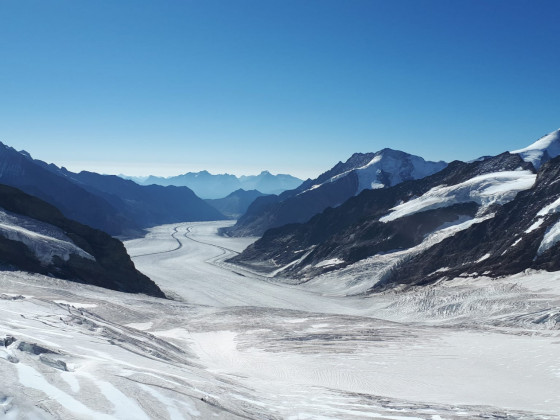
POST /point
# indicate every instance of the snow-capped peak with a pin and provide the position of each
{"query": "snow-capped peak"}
(542, 150)
(385, 168)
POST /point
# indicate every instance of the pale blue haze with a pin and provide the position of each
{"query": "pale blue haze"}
(167, 87)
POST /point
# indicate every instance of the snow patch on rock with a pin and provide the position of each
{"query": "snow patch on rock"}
(487, 189)
(551, 238)
(44, 240)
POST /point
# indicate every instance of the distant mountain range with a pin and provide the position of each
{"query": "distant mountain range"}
(494, 216)
(362, 171)
(209, 186)
(36, 237)
(112, 204)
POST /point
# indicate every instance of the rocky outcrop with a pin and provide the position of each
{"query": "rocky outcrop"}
(109, 265)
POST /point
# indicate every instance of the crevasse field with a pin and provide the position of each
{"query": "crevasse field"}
(233, 344)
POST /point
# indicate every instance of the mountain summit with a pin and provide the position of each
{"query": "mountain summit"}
(541, 151)
(361, 171)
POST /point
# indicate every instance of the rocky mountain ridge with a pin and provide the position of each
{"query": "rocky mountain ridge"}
(114, 205)
(361, 171)
(36, 237)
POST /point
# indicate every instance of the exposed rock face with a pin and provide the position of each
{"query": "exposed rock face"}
(362, 171)
(377, 222)
(110, 267)
(522, 235)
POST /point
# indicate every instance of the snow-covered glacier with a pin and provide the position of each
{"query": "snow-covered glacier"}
(232, 344)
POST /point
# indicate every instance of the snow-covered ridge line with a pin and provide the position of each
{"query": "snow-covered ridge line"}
(545, 148)
(387, 168)
(485, 190)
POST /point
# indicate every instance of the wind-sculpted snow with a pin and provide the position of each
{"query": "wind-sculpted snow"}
(235, 345)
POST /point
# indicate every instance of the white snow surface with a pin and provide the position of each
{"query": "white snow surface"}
(386, 169)
(552, 208)
(235, 345)
(549, 145)
(550, 238)
(43, 239)
(397, 169)
(485, 190)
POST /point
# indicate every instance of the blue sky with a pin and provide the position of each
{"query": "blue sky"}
(167, 87)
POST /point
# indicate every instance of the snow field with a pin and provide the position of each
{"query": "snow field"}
(488, 189)
(234, 345)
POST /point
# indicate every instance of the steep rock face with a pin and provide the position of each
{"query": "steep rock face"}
(524, 234)
(383, 169)
(235, 204)
(378, 221)
(44, 241)
(114, 205)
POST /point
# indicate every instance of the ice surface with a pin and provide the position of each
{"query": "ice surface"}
(235, 345)
(488, 189)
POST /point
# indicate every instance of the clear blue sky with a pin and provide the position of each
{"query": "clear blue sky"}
(171, 86)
